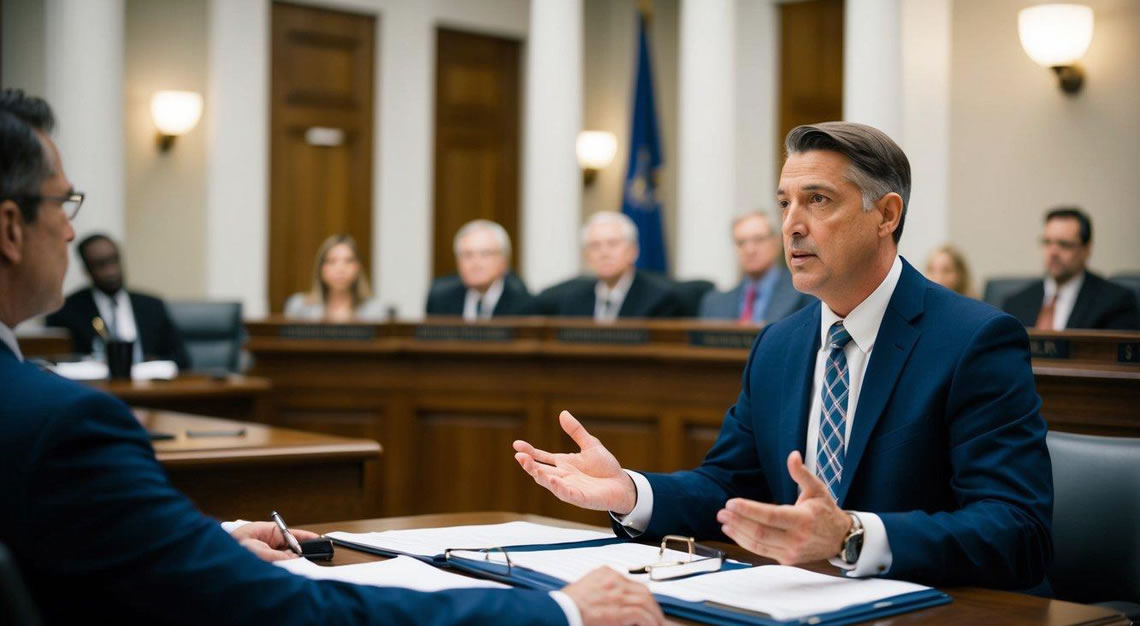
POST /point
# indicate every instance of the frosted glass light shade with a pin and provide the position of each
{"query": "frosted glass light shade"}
(1055, 34)
(176, 112)
(596, 149)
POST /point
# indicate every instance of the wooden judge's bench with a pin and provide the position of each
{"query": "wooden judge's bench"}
(446, 399)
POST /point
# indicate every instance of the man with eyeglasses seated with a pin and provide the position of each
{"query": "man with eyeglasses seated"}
(93, 523)
(1071, 296)
(127, 315)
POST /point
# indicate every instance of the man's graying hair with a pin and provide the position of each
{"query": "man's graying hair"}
(878, 165)
(24, 159)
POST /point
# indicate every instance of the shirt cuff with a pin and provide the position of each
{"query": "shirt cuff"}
(229, 527)
(573, 615)
(636, 521)
(875, 558)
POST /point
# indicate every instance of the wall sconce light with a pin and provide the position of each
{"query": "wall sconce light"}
(1056, 36)
(596, 150)
(175, 113)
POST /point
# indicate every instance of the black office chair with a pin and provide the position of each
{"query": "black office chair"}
(999, 289)
(213, 333)
(1132, 281)
(690, 292)
(1096, 520)
(16, 604)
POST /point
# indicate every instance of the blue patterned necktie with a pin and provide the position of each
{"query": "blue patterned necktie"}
(830, 450)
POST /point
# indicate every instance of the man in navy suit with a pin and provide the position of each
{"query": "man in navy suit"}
(88, 513)
(765, 293)
(893, 428)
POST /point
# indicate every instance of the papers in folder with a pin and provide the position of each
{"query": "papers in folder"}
(401, 571)
(428, 542)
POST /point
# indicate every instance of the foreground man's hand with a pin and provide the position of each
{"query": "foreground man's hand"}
(592, 479)
(606, 598)
(810, 530)
(265, 540)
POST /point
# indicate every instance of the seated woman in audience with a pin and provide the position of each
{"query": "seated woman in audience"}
(340, 290)
(947, 267)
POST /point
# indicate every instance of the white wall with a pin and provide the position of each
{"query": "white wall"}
(165, 244)
(23, 45)
(1020, 146)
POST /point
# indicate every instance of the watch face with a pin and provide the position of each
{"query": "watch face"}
(852, 548)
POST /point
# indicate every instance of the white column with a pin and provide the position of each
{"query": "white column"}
(926, 125)
(402, 168)
(706, 186)
(757, 104)
(872, 64)
(83, 82)
(237, 173)
(552, 182)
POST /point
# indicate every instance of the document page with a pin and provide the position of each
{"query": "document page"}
(783, 592)
(433, 541)
(572, 564)
(401, 571)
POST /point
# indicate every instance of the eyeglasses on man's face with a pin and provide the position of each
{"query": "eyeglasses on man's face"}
(69, 202)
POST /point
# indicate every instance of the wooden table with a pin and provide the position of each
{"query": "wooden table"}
(970, 606)
(448, 398)
(233, 396)
(244, 470)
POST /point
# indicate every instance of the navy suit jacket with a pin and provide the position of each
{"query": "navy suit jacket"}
(98, 530)
(648, 296)
(784, 301)
(448, 295)
(159, 336)
(948, 444)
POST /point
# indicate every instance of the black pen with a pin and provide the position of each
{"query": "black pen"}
(289, 538)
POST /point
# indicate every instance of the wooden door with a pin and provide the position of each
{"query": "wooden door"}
(320, 139)
(476, 138)
(811, 73)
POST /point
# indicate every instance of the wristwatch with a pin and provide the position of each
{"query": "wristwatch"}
(852, 544)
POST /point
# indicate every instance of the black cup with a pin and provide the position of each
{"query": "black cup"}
(120, 357)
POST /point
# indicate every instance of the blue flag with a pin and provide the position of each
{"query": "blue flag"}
(639, 197)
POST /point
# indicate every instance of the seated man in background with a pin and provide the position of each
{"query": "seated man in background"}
(126, 315)
(93, 522)
(610, 243)
(1071, 296)
(765, 294)
(485, 287)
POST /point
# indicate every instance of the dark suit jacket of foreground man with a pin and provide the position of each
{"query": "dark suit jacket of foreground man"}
(99, 532)
(948, 444)
(159, 336)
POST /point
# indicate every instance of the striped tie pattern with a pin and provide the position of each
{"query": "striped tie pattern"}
(830, 449)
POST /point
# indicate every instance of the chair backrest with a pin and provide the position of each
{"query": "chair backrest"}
(999, 289)
(1096, 517)
(212, 331)
(16, 604)
(690, 292)
(1132, 281)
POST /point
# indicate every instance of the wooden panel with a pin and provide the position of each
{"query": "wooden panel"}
(476, 138)
(811, 64)
(322, 76)
(464, 462)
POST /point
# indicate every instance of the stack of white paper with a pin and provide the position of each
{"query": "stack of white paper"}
(433, 541)
(401, 571)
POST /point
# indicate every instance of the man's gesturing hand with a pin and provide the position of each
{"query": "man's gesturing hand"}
(592, 479)
(606, 598)
(810, 530)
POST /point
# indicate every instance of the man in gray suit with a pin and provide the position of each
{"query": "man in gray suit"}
(765, 294)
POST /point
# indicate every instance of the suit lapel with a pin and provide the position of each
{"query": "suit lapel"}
(1085, 298)
(782, 303)
(893, 345)
(631, 305)
(798, 377)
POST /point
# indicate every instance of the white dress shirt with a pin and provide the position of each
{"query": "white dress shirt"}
(9, 339)
(1066, 298)
(615, 296)
(573, 615)
(863, 325)
(490, 300)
